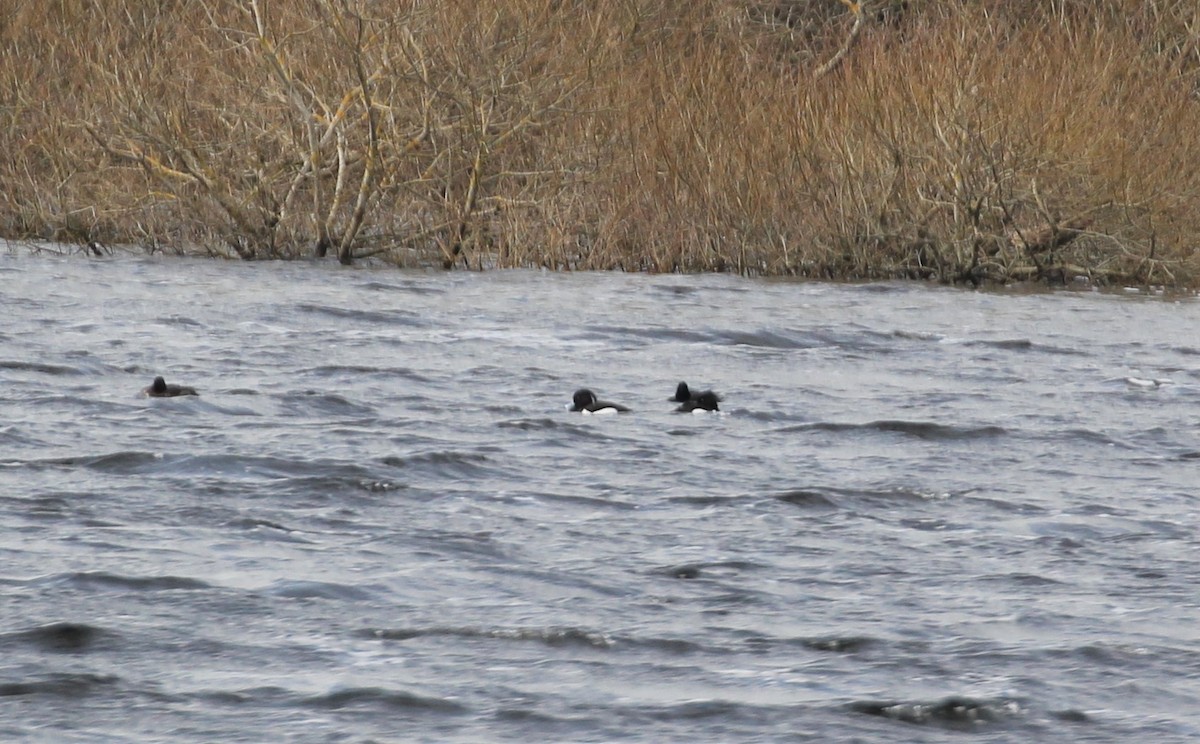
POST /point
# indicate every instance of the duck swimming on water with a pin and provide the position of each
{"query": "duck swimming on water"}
(585, 401)
(706, 401)
(692, 400)
(160, 389)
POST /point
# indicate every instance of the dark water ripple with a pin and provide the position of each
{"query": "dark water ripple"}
(66, 686)
(918, 429)
(61, 636)
(46, 369)
(957, 713)
(359, 315)
(921, 515)
(103, 581)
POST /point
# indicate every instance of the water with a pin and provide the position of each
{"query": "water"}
(922, 515)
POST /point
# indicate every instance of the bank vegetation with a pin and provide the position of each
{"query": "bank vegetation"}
(975, 142)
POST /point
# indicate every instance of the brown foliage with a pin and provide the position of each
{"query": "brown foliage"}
(973, 142)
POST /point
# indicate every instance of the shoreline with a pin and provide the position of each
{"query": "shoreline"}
(36, 248)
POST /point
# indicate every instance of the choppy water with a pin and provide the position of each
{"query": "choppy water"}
(924, 515)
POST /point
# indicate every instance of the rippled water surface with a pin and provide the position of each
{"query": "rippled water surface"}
(922, 515)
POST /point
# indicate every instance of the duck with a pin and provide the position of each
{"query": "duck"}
(686, 396)
(585, 401)
(160, 389)
(706, 401)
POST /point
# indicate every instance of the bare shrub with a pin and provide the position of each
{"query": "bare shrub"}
(984, 141)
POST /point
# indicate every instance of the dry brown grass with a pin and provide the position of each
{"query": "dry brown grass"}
(985, 141)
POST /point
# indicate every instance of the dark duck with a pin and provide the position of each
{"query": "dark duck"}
(585, 401)
(160, 389)
(691, 400)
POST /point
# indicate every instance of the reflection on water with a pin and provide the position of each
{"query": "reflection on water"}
(920, 511)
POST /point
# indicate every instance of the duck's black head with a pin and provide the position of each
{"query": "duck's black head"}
(682, 393)
(159, 386)
(583, 398)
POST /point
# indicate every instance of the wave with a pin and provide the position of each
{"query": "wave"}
(770, 340)
(554, 636)
(691, 710)
(951, 712)
(321, 402)
(267, 530)
(102, 580)
(1021, 578)
(580, 431)
(822, 498)
(114, 462)
(12, 435)
(827, 497)
(361, 370)
(530, 424)
(60, 637)
(1125, 656)
(591, 502)
(917, 335)
(48, 369)
(251, 523)
(179, 320)
(808, 499)
(408, 288)
(447, 462)
(318, 590)
(266, 695)
(707, 500)
(132, 462)
(403, 317)
(654, 334)
(706, 569)
(839, 644)
(927, 430)
(676, 290)
(1085, 435)
(1003, 344)
(567, 636)
(68, 686)
(379, 696)
(764, 338)
(1020, 344)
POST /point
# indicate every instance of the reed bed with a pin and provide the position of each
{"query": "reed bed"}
(968, 142)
